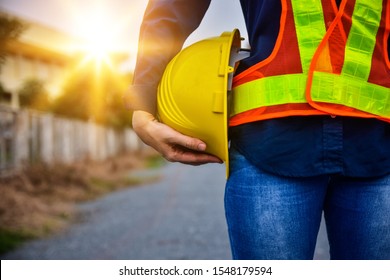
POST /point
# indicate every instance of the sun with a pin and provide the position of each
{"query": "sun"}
(98, 32)
(97, 50)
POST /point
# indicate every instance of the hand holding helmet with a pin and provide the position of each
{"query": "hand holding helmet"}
(172, 145)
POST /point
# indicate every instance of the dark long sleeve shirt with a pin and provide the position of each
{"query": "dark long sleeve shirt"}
(291, 146)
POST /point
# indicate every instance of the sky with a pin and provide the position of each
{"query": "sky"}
(117, 22)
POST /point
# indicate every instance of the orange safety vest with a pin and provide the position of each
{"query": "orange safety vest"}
(327, 60)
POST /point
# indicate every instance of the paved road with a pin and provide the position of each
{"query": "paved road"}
(179, 217)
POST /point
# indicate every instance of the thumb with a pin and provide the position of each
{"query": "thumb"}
(191, 143)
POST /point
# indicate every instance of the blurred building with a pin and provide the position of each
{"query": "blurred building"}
(28, 136)
(41, 53)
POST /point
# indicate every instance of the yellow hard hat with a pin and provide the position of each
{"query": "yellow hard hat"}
(193, 92)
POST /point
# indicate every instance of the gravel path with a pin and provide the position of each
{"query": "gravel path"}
(179, 217)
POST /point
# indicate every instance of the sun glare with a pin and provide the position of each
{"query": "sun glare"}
(98, 32)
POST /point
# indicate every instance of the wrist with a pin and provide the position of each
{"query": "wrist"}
(140, 119)
(141, 97)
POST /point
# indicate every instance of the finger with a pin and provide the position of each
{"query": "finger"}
(189, 143)
(195, 159)
(187, 156)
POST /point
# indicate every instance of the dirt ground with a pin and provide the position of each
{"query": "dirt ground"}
(40, 199)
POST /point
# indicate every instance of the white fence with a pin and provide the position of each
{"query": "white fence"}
(27, 136)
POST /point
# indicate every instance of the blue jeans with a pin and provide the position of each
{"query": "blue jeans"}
(273, 217)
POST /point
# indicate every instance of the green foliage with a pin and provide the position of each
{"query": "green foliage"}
(74, 100)
(116, 113)
(10, 28)
(10, 240)
(97, 95)
(4, 95)
(155, 161)
(33, 95)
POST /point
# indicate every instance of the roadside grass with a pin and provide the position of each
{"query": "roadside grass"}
(10, 240)
(155, 161)
(40, 200)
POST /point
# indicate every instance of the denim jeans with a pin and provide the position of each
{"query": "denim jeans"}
(274, 217)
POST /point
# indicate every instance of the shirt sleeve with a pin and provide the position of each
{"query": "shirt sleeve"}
(166, 25)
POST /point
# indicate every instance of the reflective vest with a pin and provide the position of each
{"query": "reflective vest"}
(326, 60)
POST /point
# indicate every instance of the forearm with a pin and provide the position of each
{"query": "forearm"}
(165, 27)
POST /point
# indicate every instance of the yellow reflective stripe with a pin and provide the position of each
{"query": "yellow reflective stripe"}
(284, 89)
(310, 28)
(351, 92)
(350, 88)
(326, 87)
(362, 37)
(274, 90)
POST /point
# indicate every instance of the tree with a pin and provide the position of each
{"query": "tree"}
(74, 99)
(10, 29)
(95, 93)
(116, 113)
(4, 95)
(34, 95)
